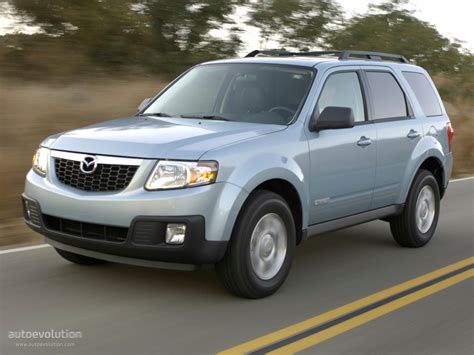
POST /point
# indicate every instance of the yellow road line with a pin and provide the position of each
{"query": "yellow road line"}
(317, 338)
(322, 318)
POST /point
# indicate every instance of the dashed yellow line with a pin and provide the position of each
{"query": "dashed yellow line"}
(314, 339)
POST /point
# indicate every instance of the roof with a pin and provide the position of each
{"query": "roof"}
(312, 59)
(301, 61)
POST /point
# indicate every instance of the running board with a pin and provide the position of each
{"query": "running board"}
(352, 220)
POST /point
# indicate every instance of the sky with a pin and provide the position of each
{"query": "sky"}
(9, 23)
(452, 19)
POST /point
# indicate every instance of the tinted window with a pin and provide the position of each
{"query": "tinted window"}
(261, 93)
(343, 90)
(424, 93)
(388, 100)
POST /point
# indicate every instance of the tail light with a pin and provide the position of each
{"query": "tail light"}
(450, 131)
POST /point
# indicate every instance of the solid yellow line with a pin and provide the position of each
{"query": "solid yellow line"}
(317, 338)
(337, 312)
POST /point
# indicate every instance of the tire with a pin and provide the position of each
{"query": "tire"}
(78, 259)
(241, 273)
(408, 228)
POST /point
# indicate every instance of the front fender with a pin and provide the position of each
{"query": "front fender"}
(251, 173)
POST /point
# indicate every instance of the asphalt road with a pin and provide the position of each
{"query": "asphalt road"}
(123, 309)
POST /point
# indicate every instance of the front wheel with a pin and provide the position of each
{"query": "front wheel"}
(261, 248)
(417, 223)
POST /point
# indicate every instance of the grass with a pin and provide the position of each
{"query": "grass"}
(31, 111)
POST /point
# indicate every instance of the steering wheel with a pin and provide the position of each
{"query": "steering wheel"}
(282, 108)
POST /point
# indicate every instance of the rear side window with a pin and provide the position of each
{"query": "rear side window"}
(424, 93)
(388, 99)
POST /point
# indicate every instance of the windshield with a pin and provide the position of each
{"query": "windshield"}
(261, 93)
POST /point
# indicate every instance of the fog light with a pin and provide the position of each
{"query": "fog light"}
(27, 209)
(175, 233)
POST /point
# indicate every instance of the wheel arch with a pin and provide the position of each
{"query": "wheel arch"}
(433, 164)
(282, 182)
(289, 193)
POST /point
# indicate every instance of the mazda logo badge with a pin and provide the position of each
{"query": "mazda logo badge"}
(88, 164)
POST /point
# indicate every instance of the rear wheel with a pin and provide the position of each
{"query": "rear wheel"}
(261, 249)
(78, 259)
(417, 223)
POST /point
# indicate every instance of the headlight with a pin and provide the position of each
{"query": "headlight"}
(40, 161)
(177, 174)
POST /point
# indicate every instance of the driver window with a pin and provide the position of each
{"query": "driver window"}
(343, 90)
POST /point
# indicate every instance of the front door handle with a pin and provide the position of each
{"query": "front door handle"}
(364, 141)
(413, 134)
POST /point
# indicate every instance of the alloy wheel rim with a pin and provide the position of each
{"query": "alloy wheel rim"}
(425, 209)
(268, 246)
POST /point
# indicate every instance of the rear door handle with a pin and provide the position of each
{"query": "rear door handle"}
(413, 134)
(364, 141)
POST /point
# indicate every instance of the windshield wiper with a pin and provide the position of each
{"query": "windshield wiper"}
(207, 117)
(158, 114)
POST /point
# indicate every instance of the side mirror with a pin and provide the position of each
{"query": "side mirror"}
(333, 117)
(143, 104)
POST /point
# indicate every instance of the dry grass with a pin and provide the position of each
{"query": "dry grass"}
(459, 94)
(31, 111)
(462, 120)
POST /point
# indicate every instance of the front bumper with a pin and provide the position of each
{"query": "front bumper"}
(218, 203)
(142, 241)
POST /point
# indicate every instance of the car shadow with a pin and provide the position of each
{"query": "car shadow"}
(317, 253)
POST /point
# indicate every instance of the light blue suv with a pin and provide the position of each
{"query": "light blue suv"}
(238, 161)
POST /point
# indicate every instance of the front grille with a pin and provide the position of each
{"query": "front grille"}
(107, 177)
(85, 230)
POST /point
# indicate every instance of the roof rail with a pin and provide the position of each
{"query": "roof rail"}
(343, 55)
(271, 52)
(284, 53)
(373, 55)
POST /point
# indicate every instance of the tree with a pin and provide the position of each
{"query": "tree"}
(159, 36)
(181, 29)
(299, 24)
(164, 36)
(390, 27)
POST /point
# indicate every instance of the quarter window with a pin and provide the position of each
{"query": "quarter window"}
(388, 99)
(424, 93)
(343, 90)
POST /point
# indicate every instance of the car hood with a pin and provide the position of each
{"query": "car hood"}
(157, 138)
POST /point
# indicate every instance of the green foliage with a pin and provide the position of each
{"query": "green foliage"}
(81, 37)
(389, 27)
(297, 24)
(113, 35)
(182, 28)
